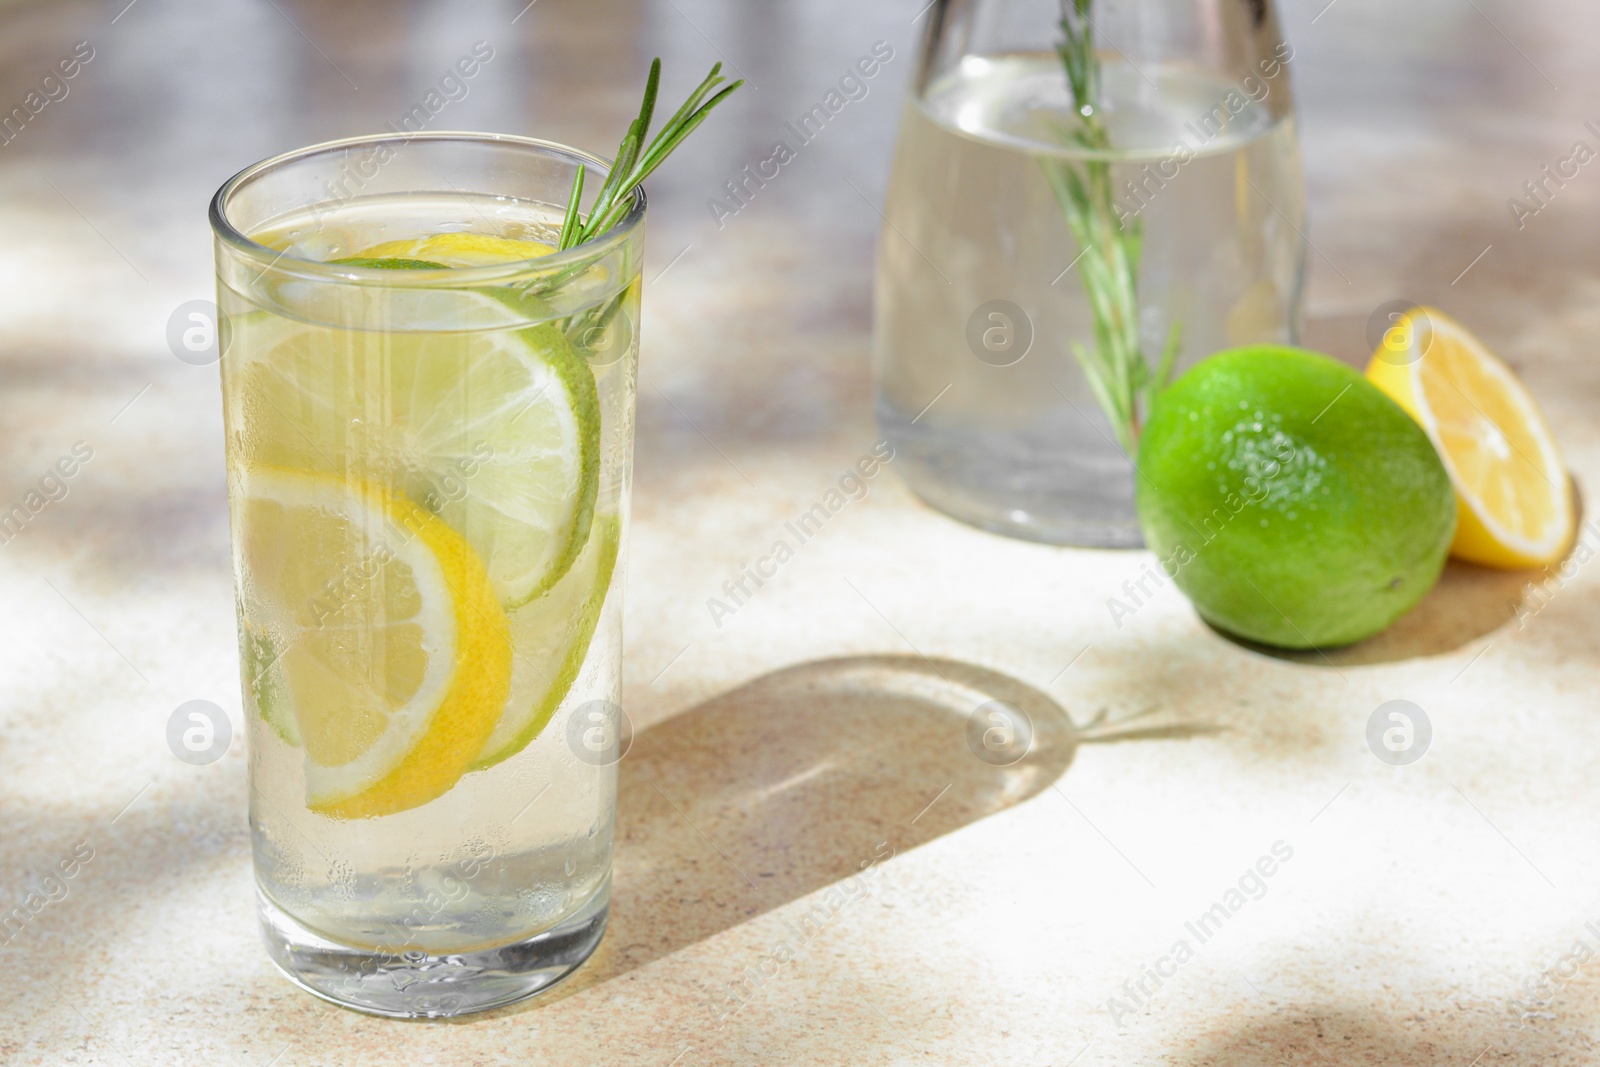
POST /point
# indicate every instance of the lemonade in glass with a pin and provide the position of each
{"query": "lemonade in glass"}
(429, 422)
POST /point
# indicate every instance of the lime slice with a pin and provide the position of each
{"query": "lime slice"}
(495, 431)
(551, 636)
(263, 679)
(390, 263)
(391, 646)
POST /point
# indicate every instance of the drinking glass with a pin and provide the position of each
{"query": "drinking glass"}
(429, 444)
(1022, 246)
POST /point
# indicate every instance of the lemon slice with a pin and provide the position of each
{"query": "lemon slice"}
(495, 431)
(1513, 495)
(459, 250)
(551, 637)
(392, 649)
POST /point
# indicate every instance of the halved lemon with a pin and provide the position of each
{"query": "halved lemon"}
(392, 652)
(1513, 495)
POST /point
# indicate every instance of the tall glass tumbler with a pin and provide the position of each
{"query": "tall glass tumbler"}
(429, 419)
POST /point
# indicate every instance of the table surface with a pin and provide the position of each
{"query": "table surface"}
(1430, 914)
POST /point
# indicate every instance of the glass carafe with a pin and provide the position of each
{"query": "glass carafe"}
(1087, 197)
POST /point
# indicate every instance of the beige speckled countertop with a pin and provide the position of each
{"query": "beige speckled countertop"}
(1411, 911)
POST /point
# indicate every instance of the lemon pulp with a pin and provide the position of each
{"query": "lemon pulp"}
(392, 648)
(1514, 500)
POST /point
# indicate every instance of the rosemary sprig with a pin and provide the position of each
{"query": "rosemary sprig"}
(635, 160)
(1120, 377)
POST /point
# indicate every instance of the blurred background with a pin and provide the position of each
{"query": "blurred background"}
(1403, 935)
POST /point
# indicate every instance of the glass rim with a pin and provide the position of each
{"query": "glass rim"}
(452, 277)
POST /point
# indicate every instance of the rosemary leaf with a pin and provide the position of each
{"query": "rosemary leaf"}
(636, 159)
(569, 224)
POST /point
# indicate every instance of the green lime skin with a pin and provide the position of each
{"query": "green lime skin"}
(1292, 501)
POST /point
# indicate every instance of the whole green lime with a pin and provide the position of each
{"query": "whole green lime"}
(1294, 502)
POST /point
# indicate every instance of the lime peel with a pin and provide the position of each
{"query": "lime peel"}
(572, 610)
(1292, 501)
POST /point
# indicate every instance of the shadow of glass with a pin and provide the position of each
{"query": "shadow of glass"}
(799, 779)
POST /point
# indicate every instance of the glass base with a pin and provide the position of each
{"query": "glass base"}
(1068, 486)
(1046, 526)
(418, 985)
